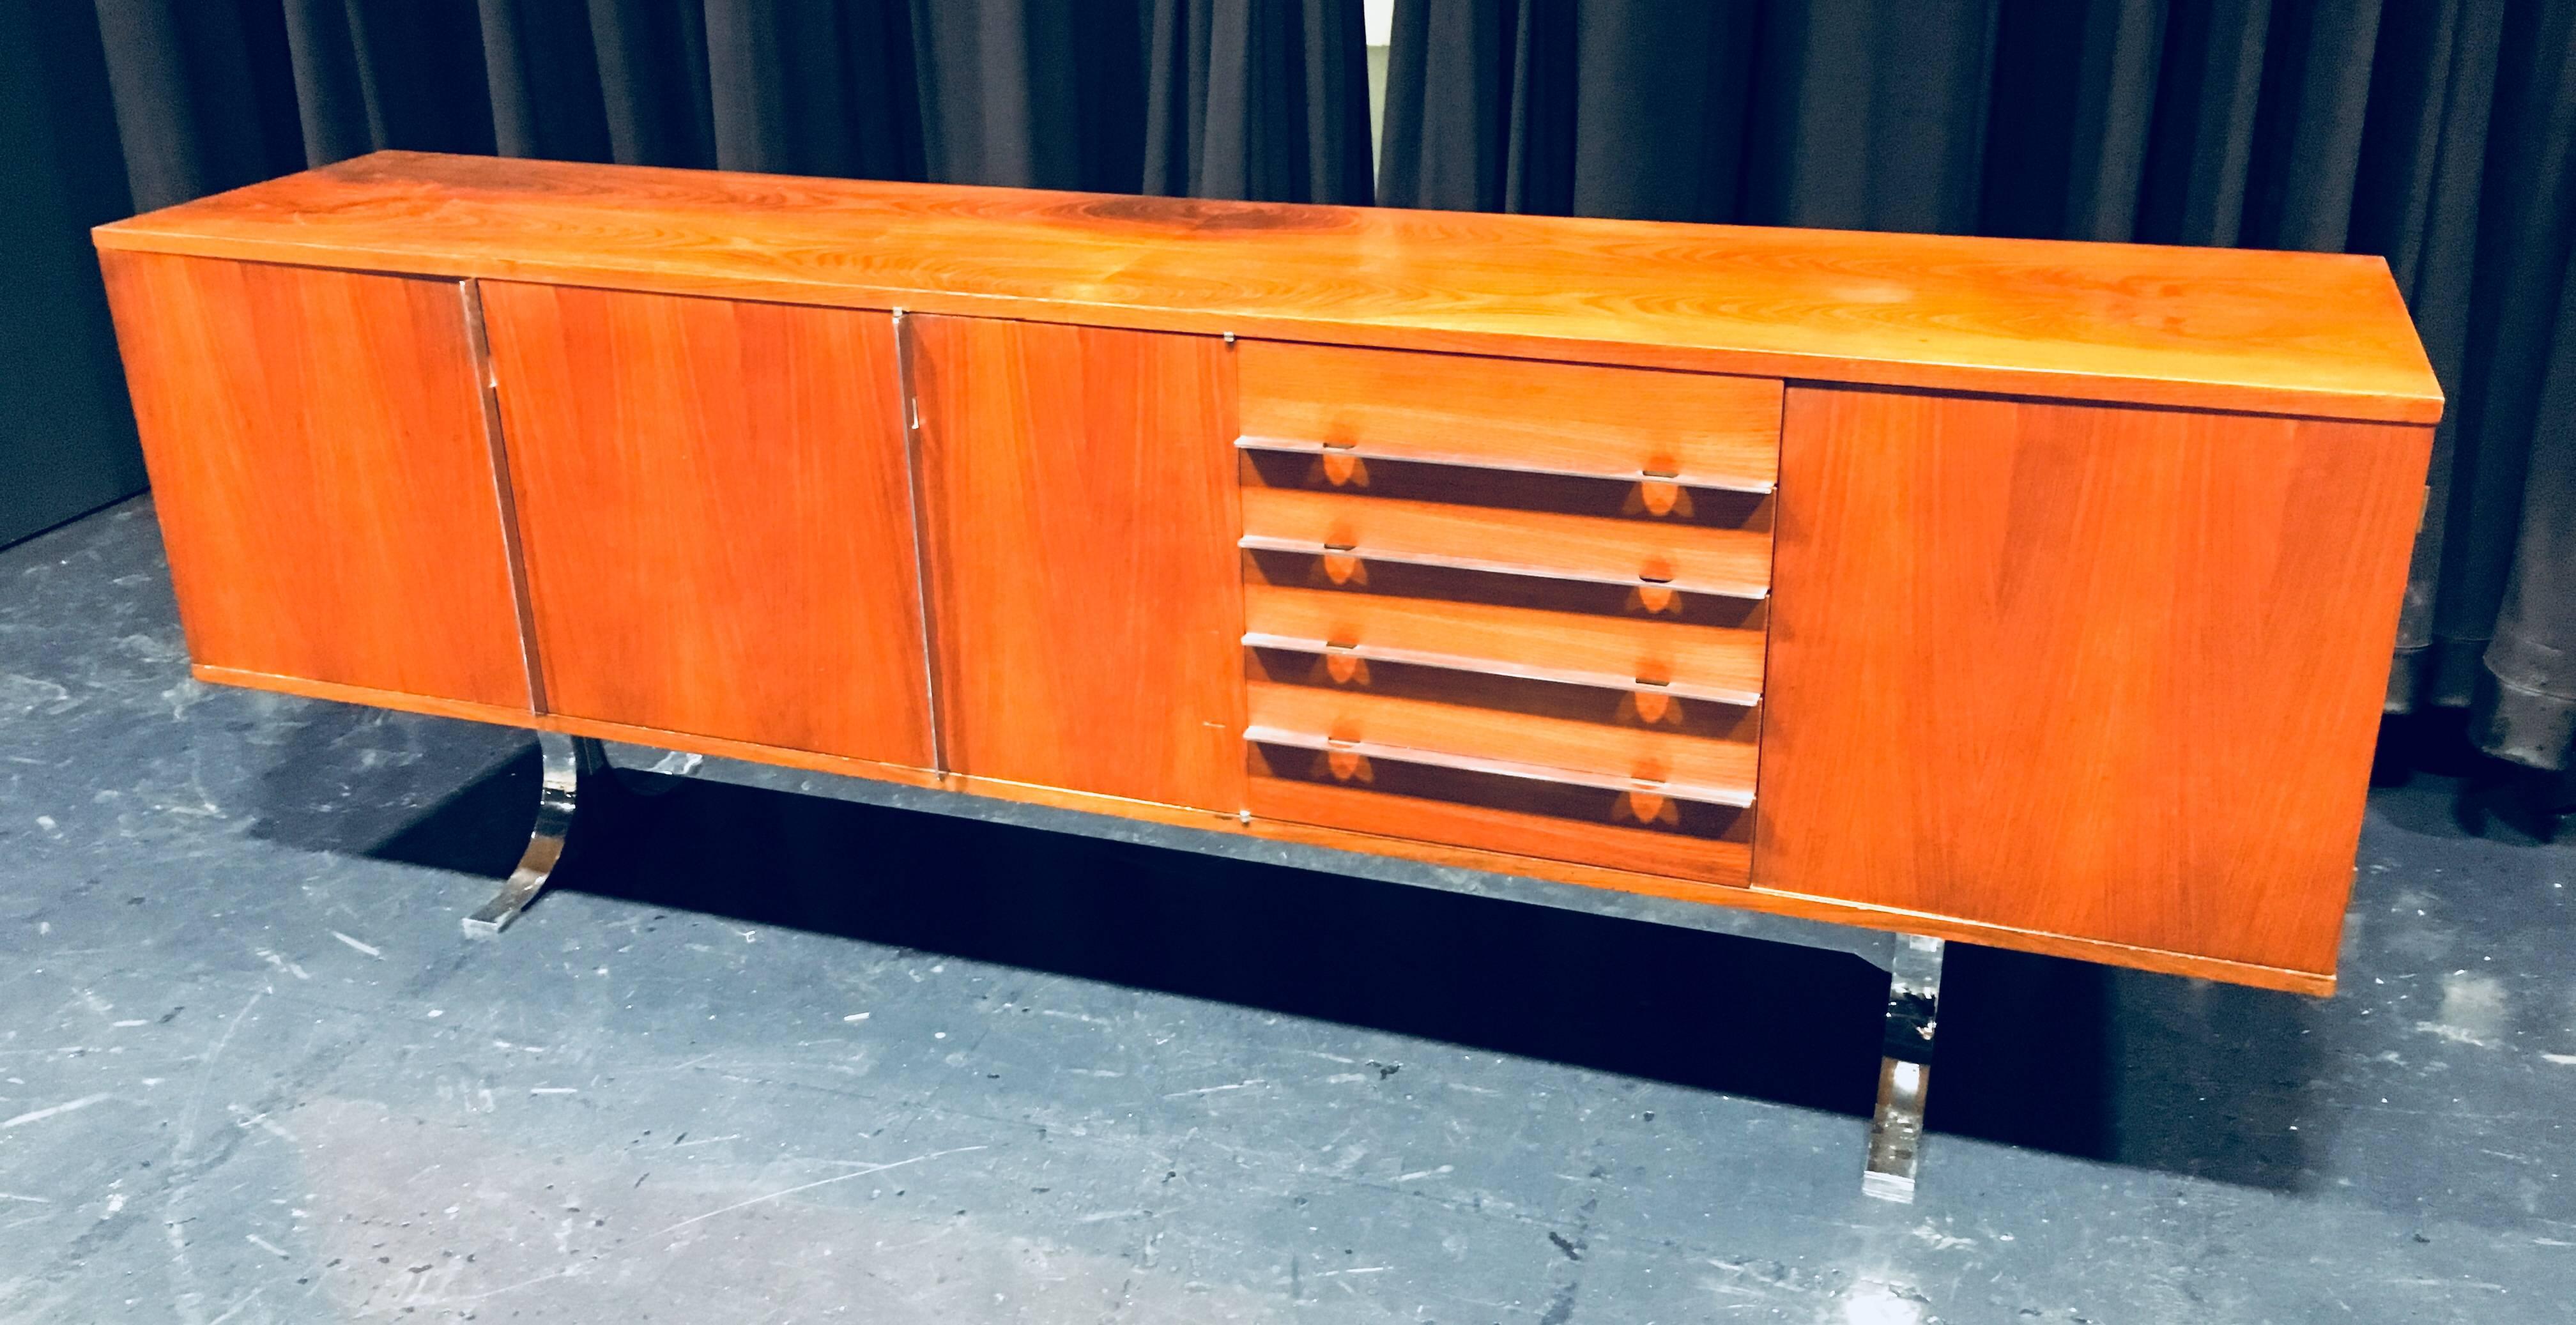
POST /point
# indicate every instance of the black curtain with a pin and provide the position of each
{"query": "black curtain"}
(126, 105)
(2438, 133)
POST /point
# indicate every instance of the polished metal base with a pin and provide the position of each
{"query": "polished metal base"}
(1905, 1070)
(1913, 962)
(567, 760)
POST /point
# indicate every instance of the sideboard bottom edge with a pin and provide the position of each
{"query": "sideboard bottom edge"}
(1755, 898)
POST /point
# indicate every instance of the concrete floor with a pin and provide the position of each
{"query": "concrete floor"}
(760, 1057)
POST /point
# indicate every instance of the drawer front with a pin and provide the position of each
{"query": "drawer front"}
(1735, 562)
(1694, 429)
(1578, 648)
(1472, 615)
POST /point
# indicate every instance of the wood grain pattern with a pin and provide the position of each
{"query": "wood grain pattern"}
(1558, 418)
(2301, 333)
(319, 464)
(1699, 859)
(2109, 674)
(716, 514)
(1592, 754)
(1736, 562)
(1081, 502)
(1575, 648)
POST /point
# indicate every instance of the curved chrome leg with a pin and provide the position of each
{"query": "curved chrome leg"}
(567, 758)
(1905, 1069)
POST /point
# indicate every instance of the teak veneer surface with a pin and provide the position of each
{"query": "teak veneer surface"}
(2300, 333)
(716, 516)
(1693, 767)
(1697, 428)
(1610, 845)
(1574, 647)
(1078, 491)
(1736, 562)
(323, 474)
(2108, 673)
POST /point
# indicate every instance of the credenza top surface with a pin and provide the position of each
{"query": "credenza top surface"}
(2298, 333)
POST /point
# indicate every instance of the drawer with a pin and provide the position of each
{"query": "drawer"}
(1577, 648)
(1477, 739)
(1695, 429)
(1694, 558)
(1438, 770)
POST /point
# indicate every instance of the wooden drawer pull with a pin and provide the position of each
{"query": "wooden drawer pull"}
(1735, 563)
(1671, 659)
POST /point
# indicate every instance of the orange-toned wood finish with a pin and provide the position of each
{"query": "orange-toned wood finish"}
(1694, 428)
(1735, 562)
(1079, 497)
(2299, 333)
(717, 516)
(1549, 748)
(323, 475)
(1672, 854)
(2061, 630)
(2110, 674)
(1575, 648)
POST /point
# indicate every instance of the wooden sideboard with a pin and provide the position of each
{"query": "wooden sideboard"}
(2033, 594)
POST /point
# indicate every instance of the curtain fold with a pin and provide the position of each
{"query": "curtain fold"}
(1257, 99)
(2437, 133)
(67, 443)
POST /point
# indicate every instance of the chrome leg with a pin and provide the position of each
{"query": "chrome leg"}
(567, 759)
(1905, 1070)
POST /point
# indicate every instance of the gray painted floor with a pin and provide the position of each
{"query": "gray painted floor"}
(765, 1058)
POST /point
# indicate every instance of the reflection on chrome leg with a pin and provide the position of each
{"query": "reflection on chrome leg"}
(567, 758)
(1905, 1071)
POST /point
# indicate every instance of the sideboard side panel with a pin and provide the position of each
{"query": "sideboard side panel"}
(2106, 673)
(322, 475)
(716, 516)
(1079, 487)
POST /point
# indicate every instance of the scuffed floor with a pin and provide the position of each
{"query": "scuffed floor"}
(764, 1058)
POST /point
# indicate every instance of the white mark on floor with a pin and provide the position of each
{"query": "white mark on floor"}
(115, 1202)
(287, 966)
(267, 1246)
(1211, 1090)
(1426, 1173)
(554, 1090)
(235, 1308)
(2473, 1010)
(806, 1187)
(13, 1196)
(367, 948)
(68, 1106)
(245, 1119)
(2563, 1060)
(856, 1016)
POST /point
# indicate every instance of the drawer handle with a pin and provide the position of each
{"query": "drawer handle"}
(1659, 494)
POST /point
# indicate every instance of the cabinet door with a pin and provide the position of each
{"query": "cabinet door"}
(715, 511)
(323, 473)
(2109, 674)
(1079, 489)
